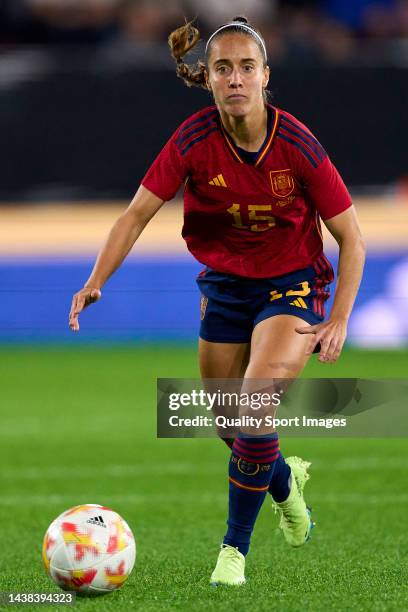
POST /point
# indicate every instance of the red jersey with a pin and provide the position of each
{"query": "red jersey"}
(250, 214)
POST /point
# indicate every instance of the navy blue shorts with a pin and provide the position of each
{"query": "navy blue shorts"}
(231, 305)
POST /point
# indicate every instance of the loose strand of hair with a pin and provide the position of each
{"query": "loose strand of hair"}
(182, 41)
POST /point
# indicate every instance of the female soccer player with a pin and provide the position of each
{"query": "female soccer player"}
(257, 183)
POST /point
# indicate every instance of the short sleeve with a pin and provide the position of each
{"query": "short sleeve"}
(315, 171)
(325, 188)
(167, 173)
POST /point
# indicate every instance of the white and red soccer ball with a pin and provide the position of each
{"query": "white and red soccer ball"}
(89, 549)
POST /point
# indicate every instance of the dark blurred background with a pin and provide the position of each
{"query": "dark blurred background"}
(88, 93)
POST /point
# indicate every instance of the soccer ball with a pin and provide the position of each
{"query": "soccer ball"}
(89, 549)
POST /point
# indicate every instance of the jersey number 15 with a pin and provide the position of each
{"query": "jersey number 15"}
(256, 222)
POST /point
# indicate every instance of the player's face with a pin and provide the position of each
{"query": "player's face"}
(237, 76)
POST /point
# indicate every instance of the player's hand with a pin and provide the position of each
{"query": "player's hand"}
(80, 301)
(331, 334)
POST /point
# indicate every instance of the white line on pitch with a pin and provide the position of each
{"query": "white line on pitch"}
(202, 498)
(118, 471)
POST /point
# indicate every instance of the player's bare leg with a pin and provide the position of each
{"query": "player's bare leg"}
(278, 352)
(222, 360)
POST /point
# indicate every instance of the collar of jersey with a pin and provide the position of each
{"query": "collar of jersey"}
(257, 159)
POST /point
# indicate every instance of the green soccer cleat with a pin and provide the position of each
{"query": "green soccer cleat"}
(230, 568)
(295, 520)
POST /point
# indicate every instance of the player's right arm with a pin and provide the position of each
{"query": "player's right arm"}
(160, 184)
(121, 239)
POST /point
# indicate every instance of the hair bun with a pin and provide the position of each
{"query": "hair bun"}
(240, 19)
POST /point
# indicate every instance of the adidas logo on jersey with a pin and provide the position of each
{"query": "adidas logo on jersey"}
(299, 303)
(97, 520)
(218, 181)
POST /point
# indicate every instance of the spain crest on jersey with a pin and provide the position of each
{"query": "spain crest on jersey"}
(282, 182)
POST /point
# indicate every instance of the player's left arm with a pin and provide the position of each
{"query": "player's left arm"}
(331, 199)
(332, 333)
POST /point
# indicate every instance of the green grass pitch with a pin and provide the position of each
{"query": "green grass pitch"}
(78, 425)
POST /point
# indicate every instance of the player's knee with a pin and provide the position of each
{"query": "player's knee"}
(268, 369)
